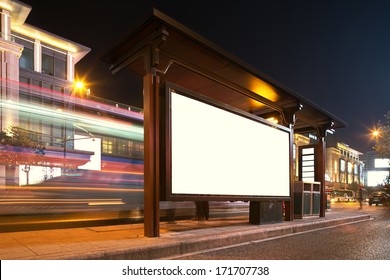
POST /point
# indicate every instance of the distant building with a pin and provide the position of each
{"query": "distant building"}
(343, 165)
(377, 169)
(38, 95)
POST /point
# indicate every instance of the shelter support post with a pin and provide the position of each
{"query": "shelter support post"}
(152, 116)
(289, 205)
(151, 156)
(289, 118)
(320, 168)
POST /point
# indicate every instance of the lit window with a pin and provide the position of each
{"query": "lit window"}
(107, 147)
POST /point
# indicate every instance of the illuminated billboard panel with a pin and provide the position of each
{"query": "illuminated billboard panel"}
(382, 163)
(376, 178)
(219, 151)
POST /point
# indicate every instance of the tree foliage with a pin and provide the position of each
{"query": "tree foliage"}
(19, 146)
(382, 146)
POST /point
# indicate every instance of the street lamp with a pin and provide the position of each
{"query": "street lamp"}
(79, 85)
(77, 88)
(375, 134)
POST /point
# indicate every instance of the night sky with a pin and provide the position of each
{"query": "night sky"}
(335, 53)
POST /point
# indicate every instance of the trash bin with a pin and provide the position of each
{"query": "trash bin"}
(306, 199)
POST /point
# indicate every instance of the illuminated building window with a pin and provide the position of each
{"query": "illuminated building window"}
(138, 147)
(135, 149)
(121, 147)
(53, 63)
(26, 60)
(107, 147)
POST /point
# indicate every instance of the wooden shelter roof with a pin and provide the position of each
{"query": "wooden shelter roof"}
(176, 54)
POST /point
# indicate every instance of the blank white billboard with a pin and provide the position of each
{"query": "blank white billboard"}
(217, 152)
(382, 163)
(376, 178)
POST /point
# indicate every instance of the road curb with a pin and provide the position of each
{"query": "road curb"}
(329, 223)
(169, 245)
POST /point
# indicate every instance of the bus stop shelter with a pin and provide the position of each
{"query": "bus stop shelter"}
(162, 50)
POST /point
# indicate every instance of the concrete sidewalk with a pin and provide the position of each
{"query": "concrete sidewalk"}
(128, 242)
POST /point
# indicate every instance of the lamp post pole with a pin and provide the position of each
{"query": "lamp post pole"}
(64, 136)
(78, 86)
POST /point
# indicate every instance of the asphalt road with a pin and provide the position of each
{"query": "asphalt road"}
(358, 241)
(32, 213)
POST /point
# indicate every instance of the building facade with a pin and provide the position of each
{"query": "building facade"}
(75, 129)
(376, 169)
(344, 167)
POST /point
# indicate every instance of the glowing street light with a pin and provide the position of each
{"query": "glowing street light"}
(79, 85)
(80, 89)
(374, 134)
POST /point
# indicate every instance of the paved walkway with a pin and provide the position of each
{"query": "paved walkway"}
(128, 242)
